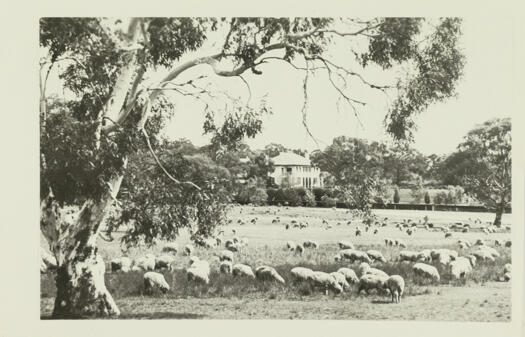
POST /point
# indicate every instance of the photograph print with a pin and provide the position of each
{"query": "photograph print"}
(325, 168)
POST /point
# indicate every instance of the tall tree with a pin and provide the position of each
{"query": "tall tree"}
(487, 150)
(114, 108)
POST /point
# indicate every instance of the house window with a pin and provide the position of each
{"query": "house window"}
(289, 169)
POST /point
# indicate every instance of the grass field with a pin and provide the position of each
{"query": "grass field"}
(477, 298)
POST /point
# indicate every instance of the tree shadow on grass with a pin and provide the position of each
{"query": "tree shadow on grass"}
(381, 301)
(152, 315)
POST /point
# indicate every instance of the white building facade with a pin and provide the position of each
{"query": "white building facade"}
(293, 170)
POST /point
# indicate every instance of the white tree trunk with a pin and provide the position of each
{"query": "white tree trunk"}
(81, 291)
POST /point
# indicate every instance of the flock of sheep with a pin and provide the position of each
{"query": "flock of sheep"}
(458, 263)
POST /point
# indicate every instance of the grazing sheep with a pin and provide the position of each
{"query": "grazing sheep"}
(389, 242)
(448, 235)
(349, 275)
(345, 245)
(424, 256)
(493, 252)
(507, 268)
(226, 267)
(408, 255)
(340, 278)
(170, 248)
(225, 255)
(290, 245)
(370, 282)
(426, 271)
(337, 257)
(396, 285)
(242, 270)
(154, 280)
(164, 261)
(376, 255)
(483, 255)
(355, 255)
(146, 263)
(506, 277)
(480, 242)
(199, 271)
(302, 273)
(364, 268)
(311, 244)
(508, 244)
(460, 267)
(188, 250)
(268, 273)
(497, 243)
(327, 281)
(357, 231)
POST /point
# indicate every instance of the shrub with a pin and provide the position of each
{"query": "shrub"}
(259, 197)
(309, 199)
(292, 197)
(327, 201)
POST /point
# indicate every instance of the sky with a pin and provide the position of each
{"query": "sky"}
(440, 128)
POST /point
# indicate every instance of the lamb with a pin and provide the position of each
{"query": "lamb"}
(164, 261)
(146, 263)
(154, 280)
(408, 255)
(426, 271)
(327, 281)
(188, 250)
(225, 255)
(268, 273)
(302, 273)
(345, 245)
(199, 271)
(349, 275)
(311, 244)
(375, 255)
(370, 282)
(460, 267)
(170, 248)
(226, 267)
(242, 270)
(396, 285)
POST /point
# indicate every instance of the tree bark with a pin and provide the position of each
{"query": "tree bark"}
(497, 220)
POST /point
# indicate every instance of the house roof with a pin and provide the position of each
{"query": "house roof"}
(290, 158)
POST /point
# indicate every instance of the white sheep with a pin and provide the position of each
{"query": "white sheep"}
(170, 248)
(375, 255)
(301, 273)
(507, 268)
(199, 271)
(370, 282)
(146, 263)
(242, 270)
(164, 261)
(460, 267)
(226, 267)
(396, 285)
(268, 273)
(353, 255)
(426, 271)
(290, 245)
(225, 255)
(364, 268)
(345, 245)
(408, 255)
(349, 274)
(340, 279)
(327, 281)
(153, 280)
